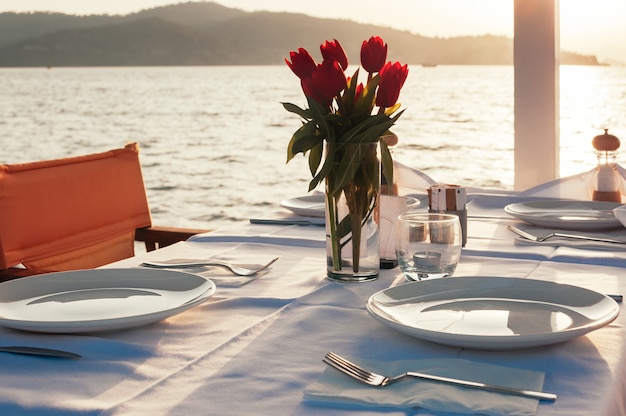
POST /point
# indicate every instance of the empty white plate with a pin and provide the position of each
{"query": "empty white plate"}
(99, 300)
(308, 206)
(569, 215)
(494, 313)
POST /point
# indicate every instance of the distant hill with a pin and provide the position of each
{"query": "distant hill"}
(205, 33)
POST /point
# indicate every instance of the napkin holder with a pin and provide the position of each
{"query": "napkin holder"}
(450, 199)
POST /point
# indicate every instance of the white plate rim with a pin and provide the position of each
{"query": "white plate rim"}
(491, 342)
(307, 205)
(207, 288)
(571, 224)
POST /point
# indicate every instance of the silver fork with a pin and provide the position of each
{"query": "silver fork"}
(533, 237)
(379, 380)
(236, 269)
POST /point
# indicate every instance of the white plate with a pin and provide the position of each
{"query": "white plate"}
(569, 215)
(494, 313)
(308, 206)
(313, 205)
(99, 300)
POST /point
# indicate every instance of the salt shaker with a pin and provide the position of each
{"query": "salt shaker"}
(607, 178)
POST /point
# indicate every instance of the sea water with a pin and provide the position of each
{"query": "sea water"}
(213, 139)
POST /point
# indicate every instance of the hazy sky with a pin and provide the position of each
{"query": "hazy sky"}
(587, 26)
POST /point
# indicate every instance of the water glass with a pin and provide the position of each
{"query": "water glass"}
(428, 245)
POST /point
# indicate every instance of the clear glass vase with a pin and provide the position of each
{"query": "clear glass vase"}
(352, 228)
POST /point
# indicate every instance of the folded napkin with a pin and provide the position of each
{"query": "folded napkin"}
(334, 387)
(620, 214)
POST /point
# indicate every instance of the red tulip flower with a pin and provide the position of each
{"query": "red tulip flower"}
(302, 64)
(333, 51)
(392, 77)
(373, 54)
(325, 83)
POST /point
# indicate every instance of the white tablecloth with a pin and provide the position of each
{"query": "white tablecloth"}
(254, 348)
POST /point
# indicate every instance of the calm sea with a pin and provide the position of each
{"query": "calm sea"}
(214, 139)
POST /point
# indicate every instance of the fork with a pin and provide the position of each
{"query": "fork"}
(239, 270)
(533, 237)
(379, 380)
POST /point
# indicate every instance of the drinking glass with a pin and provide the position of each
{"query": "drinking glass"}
(428, 245)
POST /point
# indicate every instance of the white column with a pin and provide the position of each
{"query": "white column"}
(536, 60)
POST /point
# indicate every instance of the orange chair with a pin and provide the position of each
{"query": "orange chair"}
(76, 213)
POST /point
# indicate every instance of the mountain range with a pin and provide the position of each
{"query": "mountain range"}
(206, 33)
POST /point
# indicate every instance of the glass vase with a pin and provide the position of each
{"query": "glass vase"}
(352, 228)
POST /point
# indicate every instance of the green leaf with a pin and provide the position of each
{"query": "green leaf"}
(349, 94)
(354, 159)
(315, 158)
(292, 108)
(367, 131)
(346, 169)
(326, 169)
(305, 138)
(320, 115)
(345, 227)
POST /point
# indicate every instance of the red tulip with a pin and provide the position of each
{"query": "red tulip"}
(392, 77)
(373, 54)
(333, 51)
(302, 64)
(359, 91)
(325, 83)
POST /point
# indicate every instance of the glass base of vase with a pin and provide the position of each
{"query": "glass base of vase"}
(350, 277)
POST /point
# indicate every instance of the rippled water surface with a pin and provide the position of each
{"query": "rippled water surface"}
(213, 139)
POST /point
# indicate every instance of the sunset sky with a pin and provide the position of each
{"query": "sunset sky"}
(590, 27)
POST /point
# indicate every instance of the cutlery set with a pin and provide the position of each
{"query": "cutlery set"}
(379, 380)
(240, 270)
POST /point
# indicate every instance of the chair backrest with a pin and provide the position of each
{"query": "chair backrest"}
(72, 213)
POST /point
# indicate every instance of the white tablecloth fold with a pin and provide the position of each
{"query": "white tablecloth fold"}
(337, 388)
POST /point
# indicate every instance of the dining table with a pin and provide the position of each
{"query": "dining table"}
(256, 345)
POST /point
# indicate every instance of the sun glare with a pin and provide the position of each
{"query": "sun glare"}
(589, 103)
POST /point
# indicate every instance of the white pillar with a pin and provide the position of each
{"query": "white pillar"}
(536, 63)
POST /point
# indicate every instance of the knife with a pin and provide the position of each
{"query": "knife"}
(47, 352)
(320, 222)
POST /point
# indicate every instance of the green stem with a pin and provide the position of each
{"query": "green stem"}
(356, 241)
(334, 239)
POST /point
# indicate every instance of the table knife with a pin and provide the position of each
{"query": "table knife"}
(47, 352)
(320, 222)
